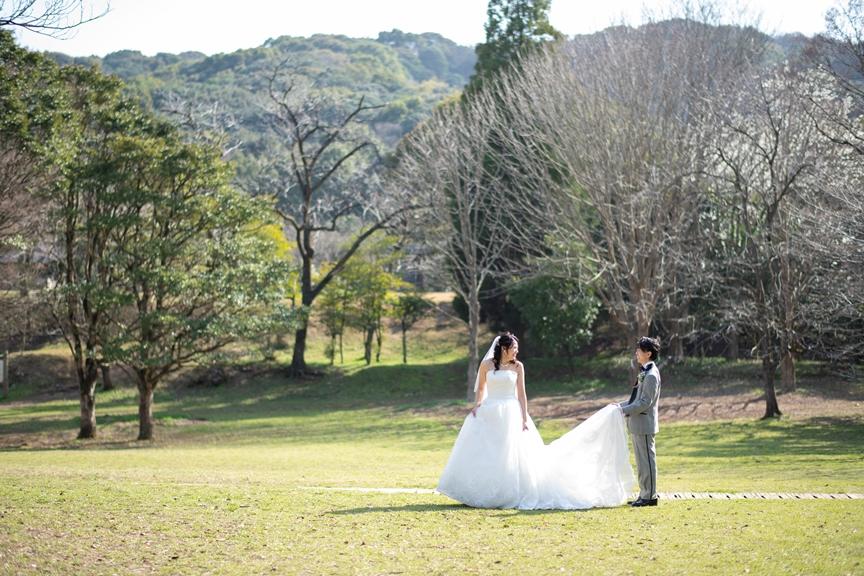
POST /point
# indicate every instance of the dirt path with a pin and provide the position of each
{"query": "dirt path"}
(700, 404)
(699, 407)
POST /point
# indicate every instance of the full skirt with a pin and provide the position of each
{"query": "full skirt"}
(495, 464)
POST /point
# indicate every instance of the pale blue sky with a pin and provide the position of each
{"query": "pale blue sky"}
(213, 26)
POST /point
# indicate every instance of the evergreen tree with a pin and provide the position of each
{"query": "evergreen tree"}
(512, 27)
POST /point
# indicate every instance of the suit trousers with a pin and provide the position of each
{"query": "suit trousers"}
(646, 465)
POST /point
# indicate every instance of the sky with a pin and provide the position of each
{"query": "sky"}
(213, 26)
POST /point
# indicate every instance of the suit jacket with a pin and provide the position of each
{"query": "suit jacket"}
(641, 414)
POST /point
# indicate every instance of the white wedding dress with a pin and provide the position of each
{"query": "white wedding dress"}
(495, 464)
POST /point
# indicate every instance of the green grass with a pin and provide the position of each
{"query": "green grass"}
(228, 486)
(236, 528)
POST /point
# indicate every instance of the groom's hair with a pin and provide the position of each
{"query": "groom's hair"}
(651, 345)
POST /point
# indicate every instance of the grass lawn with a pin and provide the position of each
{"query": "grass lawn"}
(229, 485)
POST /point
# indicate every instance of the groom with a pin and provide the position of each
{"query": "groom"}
(641, 415)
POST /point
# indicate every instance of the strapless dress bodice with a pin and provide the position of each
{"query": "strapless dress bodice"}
(501, 384)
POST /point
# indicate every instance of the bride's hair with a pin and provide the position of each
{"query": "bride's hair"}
(505, 341)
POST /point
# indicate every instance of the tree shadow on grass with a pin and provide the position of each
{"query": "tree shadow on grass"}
(271, 395)
(378, 404)
(817, 437)
(114, 432)
(71, 424)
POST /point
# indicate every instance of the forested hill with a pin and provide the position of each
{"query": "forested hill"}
(407, 73)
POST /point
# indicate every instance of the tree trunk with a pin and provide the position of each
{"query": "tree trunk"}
(644, 325)
(733, 351)
(367, 346)
(268, 350)
(404, 344)
(678, 322)
(88, 414)
(298, 359)
(473, 331)
(341, 356)
(772, 410)
(87, 390)
(677, 348)
(4, 374)
(677, 344)
(107, 382)
(27, 326)
(635, 331)
(24, 293)
(787, 371)
(787, 359)
(378, 338)
(145, 409)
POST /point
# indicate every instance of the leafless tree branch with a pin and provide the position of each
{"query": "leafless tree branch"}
(56, 18)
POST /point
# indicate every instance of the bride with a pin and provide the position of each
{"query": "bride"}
(500, 461)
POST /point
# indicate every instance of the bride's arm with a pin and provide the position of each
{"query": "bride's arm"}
(520, 391)
(481, 387)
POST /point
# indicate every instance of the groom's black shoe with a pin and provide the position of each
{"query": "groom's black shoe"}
(644, 502)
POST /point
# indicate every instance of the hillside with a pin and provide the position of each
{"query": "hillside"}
(406, 73)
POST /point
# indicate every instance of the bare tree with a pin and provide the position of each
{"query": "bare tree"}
(768, 157)
(209, 123)
(616, 124)
(829, 220)
(831, 237)
(55, 18)
(839, 52)
(656, 146)
(834, 311)
(451, 164)
(326, 178)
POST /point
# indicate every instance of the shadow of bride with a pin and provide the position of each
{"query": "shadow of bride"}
(406, 508)
(444, 508)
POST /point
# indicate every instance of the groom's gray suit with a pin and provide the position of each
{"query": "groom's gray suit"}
(642, 420)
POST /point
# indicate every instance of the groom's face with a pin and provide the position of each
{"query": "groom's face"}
(642, 356)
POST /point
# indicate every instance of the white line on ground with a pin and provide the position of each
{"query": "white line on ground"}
(662, 495)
